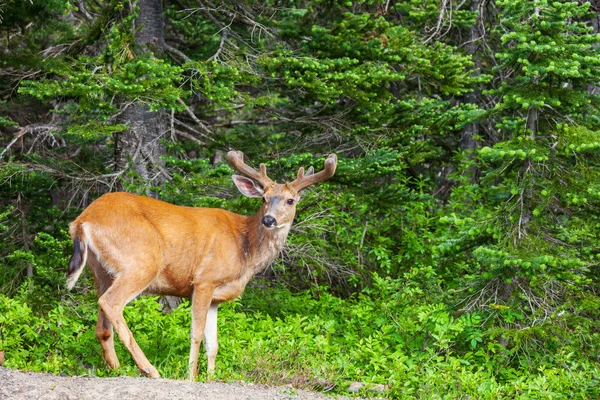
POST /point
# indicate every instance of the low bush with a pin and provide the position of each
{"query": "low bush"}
(389, 335)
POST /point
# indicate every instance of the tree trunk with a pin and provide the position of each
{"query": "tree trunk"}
(140, 145)
(150, 25)
(532, 120)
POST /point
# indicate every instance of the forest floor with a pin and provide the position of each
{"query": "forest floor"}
(17, 385)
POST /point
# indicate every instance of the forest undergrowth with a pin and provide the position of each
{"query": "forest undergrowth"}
(455, 252)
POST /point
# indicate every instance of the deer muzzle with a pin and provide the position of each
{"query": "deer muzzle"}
(268, 221)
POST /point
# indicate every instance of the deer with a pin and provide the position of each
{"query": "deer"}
(134, 244)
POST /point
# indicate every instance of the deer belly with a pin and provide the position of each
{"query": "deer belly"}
(228, 291)
(165, 287)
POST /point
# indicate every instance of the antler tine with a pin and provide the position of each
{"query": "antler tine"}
(303, 181)
(236, 159)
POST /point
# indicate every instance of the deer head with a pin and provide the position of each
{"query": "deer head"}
(279, 199)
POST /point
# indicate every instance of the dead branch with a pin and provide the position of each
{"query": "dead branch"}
(440, 22)
(43, 132)
(230, 124)
(189, 128)
(195, 118)
(179, 56)
(189, 137)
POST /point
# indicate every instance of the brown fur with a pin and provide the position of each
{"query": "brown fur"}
(136, 244)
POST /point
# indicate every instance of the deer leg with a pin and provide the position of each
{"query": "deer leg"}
(211, 343)
(112, 303)
(104, 333)
(104, 328)
(201, 300)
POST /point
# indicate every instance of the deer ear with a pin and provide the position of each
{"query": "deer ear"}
(247, 186)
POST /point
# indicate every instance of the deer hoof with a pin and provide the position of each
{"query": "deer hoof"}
(151, 372)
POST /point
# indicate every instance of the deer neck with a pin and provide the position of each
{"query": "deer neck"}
(262, 245)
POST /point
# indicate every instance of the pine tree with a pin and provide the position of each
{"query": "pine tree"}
(534, 227)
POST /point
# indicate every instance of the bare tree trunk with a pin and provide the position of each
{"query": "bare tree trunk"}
(150, 24)
(140, 145)
(506, 295)
(532, 120)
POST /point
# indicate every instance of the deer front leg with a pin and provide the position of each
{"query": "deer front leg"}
(201, 300)
(211, 343)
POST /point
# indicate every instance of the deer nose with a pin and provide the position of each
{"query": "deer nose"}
(269, 221)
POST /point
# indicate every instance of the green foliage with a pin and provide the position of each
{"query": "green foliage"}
(439, 268)
(531, 251)
(95, 88)
(551, 48)
(367, 66)
(398, 338)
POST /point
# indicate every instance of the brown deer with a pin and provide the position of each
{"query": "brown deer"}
(136, 244)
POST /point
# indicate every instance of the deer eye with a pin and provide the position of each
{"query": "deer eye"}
(290, 201)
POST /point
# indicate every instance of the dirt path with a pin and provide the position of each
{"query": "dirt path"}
(16, 385)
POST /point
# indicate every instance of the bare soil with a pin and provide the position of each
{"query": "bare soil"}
(17, 385)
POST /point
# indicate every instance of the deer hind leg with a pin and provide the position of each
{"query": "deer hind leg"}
(211, 344)
(123, 290)
(104, 328)
(201, 300)
(105, 335)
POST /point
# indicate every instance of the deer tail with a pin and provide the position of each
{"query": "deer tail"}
(78, 259)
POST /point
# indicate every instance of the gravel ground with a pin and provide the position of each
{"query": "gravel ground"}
(17, 385)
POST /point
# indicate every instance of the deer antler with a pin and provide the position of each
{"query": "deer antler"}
(236, 159)
(303, 181)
